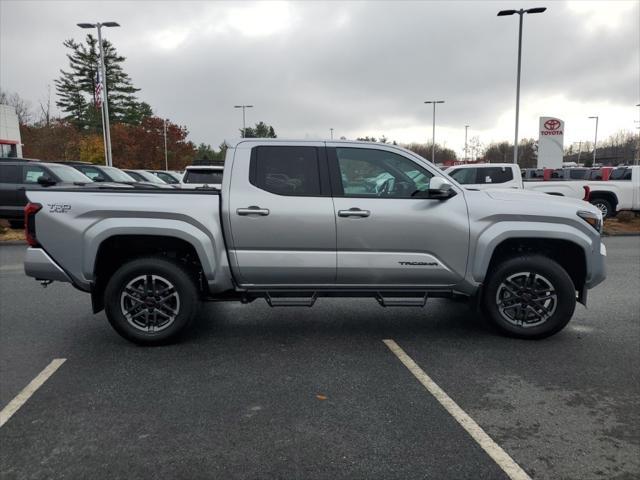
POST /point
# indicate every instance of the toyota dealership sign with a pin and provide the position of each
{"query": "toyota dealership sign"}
(550, 142)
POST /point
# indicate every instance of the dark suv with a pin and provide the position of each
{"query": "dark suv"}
(16, 174)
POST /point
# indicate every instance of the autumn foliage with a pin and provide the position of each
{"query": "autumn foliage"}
(133, 146)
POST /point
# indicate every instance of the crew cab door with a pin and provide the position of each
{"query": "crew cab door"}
(386, 236)
(281, 215)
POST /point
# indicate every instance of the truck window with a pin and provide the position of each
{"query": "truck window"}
(32, 174)
(378, 173)
(9, 174)
(286, 170)
(464, 176)
(578, 174)
(621, 174)
(204, 175)
(488, 175)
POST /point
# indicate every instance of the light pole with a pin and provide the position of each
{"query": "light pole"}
(166, 158)
(466, 129)
(105, 102)
(244, 125)
(579, 151)
(331, 129)
(520, 12)
(595, 141)
(433, 136)
(637, 159)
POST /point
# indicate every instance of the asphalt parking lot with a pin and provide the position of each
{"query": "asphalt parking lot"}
(254, 392)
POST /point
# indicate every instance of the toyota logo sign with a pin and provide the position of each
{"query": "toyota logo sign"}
(552, 124)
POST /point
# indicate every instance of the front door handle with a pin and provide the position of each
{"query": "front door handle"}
(253, 210)
(354, 212)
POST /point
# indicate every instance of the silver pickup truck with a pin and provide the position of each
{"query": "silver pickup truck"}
(296, 220)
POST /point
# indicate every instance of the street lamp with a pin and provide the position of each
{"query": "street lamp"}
(521, 12)
(331, 129)
(595, 140)
(244, 126)
(106, 132)
(166, 158)
(433, 137)
(466, 129)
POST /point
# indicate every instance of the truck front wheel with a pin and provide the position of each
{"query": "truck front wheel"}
(604, 206)
(151, 300)
(529, 296)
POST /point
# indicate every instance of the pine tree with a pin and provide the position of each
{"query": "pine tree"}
(76, 87)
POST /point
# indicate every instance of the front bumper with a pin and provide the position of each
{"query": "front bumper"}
(38, 264)
(597, 272)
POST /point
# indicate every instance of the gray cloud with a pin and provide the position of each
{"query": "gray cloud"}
(362, 68)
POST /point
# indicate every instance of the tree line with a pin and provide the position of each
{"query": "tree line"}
(137, 134)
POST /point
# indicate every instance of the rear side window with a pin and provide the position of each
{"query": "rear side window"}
(203, 176)
(9, 174)
(286, 170)
(494, 175)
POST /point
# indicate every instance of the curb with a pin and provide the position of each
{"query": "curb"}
(625, 234)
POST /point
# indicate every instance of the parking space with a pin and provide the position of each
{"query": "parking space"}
(254, 392)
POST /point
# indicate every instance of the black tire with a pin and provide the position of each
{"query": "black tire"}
(604, 206)
(148, 281)
(534, 280)
(16, 224)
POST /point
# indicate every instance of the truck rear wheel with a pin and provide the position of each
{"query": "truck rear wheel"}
(151, 300)
(529, 296)
(604, 206)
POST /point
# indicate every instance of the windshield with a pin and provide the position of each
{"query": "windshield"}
(69, 174)
(203, 176)
(117, 174)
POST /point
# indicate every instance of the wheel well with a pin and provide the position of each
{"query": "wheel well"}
(611, 197)
(568, 254)
(117, 250)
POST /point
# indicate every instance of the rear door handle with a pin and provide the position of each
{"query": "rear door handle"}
(253, 210)
(354, 212)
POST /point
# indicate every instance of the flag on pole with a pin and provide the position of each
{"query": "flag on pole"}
(98, 90)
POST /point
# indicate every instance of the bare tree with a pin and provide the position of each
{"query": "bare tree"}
(21, 106)
(45, 108)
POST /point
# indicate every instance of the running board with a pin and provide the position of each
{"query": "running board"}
(291, 301)
(401, 301)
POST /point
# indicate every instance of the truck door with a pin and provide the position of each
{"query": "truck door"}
(386, 233)
(281, 215)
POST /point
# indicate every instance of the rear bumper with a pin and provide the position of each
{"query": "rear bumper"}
(41, 266)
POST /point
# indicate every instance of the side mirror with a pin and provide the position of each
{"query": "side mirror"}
(46, 180)
(440, 188)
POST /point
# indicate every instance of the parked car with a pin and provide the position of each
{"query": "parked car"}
(146, 177)
(201, 176)
(16, 174)
(523, 257)
(172, 178)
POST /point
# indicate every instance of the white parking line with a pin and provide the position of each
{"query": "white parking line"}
(14, 405)
(11, 268)
(502, 458)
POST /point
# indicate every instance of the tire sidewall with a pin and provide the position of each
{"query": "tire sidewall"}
(552, 271)
(167, 269)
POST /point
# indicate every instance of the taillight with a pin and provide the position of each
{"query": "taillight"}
(30, 223)
(587, 193)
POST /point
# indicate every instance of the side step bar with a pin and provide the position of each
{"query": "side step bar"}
(385, 299)
(280, 301)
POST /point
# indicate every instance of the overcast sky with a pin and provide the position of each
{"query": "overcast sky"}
(362, 68)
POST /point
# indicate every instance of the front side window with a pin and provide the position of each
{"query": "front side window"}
(93, 173)
(464, 176)
(379, 173)
(32, 174)
(166, 177)
(286, 170)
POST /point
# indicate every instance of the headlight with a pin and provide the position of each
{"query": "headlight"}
(593, 219)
